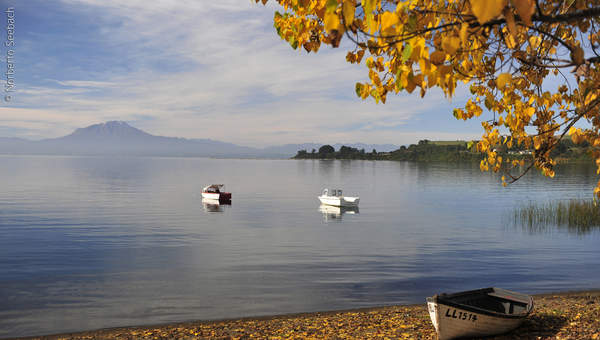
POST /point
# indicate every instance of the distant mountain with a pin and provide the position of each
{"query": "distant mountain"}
(113, 130)
(120, 138)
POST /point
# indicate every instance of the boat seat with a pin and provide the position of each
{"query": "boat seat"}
(497, 305)
(488, 304)
(492, 301)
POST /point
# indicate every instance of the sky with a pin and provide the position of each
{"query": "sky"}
(198, 69)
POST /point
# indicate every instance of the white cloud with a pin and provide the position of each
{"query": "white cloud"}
(42, 123)
(86, 83)
(217, 70)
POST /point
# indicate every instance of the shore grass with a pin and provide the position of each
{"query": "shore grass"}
(578, 215)
(556, 316)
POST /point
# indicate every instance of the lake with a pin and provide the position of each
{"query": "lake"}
(92, 242)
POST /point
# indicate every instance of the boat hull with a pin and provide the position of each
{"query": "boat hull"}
(339, 201)
(219, 196)
(451, 321)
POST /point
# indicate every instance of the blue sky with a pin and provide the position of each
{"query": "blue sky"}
(198, 69)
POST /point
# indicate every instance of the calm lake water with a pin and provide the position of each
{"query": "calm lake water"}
(88, 243)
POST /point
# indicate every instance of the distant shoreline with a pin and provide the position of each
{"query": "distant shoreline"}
(570, 314)
(447, 151)
(559, 160)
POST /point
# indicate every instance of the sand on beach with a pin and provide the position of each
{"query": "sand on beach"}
(561, 316)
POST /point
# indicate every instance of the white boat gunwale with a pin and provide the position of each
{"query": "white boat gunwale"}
(513, 297)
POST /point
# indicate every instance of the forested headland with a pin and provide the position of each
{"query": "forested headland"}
(445, 151)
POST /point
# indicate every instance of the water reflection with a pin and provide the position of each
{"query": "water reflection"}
(334, 214)
(533, 228)
(326, 167)
(212, 205)
(89, 243)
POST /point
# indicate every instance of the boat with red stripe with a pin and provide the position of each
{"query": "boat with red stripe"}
(214, 192)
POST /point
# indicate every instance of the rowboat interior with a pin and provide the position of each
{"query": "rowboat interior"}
(489, 299)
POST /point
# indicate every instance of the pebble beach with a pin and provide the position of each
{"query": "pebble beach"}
(574, 315)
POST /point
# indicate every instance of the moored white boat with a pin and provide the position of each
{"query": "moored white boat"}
(336, 198)
(480, 312)
(214, 192)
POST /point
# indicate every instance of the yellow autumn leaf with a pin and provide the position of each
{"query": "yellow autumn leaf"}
(576, 135)
(443, 70)
(510, 22)
(534, 41)
(590, 97)
(464, 30)
(411, 84)
(503, 79)
(359, 55)
(332, 22)
(437, 57)
(577, 55)
(348, 9)
(573, 130)
(483, 166)
(451, 44)
(388, 20)
(525, 9)
(510, 41)
(368, 7)
(528, 112)
(486, 10)
(537, 142)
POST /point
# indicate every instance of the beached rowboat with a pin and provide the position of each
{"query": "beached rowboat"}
(480, 312)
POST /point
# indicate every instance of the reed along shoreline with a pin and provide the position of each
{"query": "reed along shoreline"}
(566, 315)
